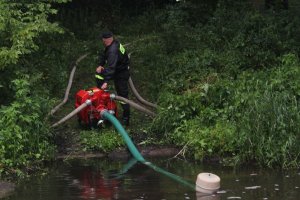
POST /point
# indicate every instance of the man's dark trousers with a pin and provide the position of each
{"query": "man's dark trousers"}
(121, 86)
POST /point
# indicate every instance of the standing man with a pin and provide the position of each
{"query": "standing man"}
(114, 65)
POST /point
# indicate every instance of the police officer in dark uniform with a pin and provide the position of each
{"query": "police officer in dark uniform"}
(116, 62)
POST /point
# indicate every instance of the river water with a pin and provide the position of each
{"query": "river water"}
(104, 179)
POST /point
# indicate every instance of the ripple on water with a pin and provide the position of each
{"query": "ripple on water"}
(253, 174)
(253, 187)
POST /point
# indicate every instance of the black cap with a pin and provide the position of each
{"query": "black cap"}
(107, 34)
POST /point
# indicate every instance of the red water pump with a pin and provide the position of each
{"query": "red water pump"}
(100, 100)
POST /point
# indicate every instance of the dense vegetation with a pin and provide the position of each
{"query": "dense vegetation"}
(225, 75)
(231, 86)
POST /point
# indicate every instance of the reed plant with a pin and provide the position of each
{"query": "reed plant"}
(268, 131)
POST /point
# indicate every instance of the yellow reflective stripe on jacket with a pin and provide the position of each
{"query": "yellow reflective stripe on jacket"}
(99, 77)
(122, 49)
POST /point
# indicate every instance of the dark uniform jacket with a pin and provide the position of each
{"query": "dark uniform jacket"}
(117, 61)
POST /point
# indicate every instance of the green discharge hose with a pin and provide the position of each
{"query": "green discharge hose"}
(136, 154)
(126, 167)
(170, 175)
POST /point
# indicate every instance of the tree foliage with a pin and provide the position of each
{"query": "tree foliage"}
(24, 135)
(20, 25)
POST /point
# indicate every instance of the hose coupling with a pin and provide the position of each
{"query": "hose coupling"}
(112, 96)
(102, 112)
(111, 112)
(88, 102)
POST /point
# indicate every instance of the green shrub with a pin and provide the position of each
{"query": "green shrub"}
(23, 131)
(202, 141)
(239, 78)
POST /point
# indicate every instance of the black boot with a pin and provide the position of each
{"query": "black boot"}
(126, 114)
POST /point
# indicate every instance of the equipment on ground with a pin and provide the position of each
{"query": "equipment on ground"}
(100, 100)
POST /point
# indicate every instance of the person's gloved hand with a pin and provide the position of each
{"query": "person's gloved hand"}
(99, 69)
(104, 86)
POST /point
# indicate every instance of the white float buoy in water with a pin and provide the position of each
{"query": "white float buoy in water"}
(207, 183)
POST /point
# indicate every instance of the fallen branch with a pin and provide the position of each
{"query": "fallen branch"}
(181, 152)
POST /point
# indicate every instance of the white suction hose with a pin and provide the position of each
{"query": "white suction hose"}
(74, 112)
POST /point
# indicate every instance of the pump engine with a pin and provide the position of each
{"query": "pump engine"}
(100, 100)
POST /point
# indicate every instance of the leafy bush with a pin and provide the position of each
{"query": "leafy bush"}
(20, 25)
(23, 131)
(202, 141)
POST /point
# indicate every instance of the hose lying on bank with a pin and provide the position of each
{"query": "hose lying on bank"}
(138, 96)
(136, 154)
(69, 84)
(74, 112)
(134, 105)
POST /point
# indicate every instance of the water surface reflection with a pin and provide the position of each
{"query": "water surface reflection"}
(106, 180)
